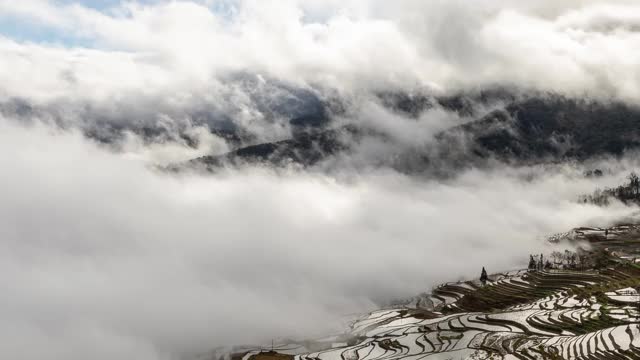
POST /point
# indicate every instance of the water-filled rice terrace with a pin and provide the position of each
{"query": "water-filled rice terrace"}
(550, 314)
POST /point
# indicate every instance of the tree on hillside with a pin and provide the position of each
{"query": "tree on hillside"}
(582, 260)
(634, 183)
(601, 259)
(532, 263)
(483, 276)
(573, 261)
(566, 258)
(557, 258)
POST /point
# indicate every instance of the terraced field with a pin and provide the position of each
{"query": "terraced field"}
(555, 314)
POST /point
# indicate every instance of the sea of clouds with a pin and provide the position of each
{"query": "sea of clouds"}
(103, 256)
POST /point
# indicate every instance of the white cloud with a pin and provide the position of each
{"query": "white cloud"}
(571, 47)
(166, 59)
(101, 257)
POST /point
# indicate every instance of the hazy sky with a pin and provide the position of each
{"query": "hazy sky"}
(102, 257)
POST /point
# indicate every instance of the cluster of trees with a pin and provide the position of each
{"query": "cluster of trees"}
(627, 193)
(568, 260)
(537, 263)
(558, 260)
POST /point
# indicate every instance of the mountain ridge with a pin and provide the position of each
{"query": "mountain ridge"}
(529, 130)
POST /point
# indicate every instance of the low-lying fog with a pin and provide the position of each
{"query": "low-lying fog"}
(103, 257)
